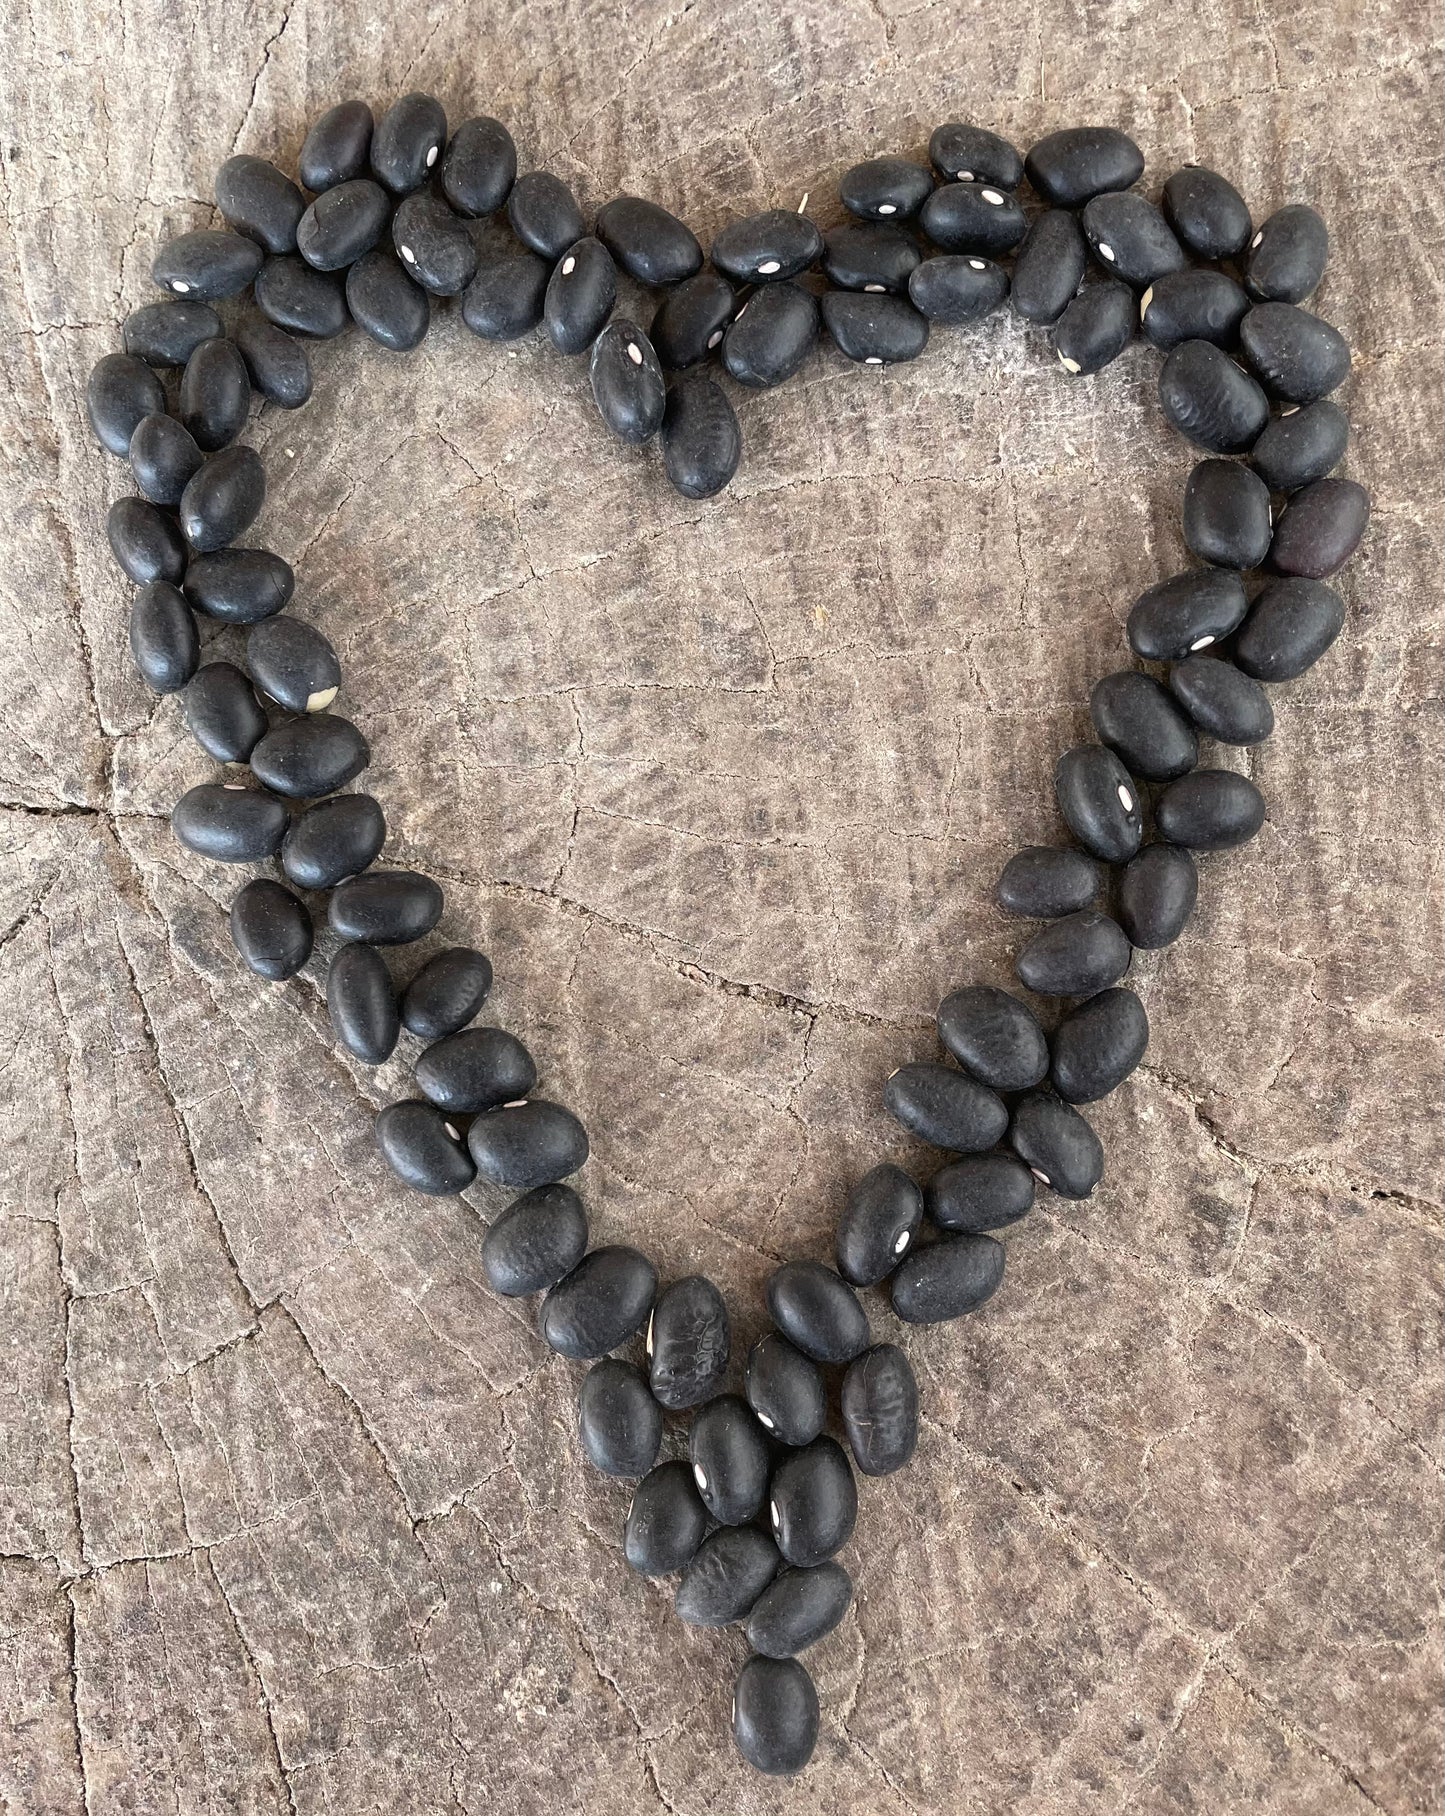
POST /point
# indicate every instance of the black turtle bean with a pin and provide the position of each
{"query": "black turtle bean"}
(601, 1303)
(343, 224)
(627, 383)
(223, 497)
(666, 1522)
(957, 288)
(652, 246)
(1210, 400)
(874, 330)
(770, 336)
(145, 542)
(1287, 256)
(505, 299)
(767, 248)
(1221, 701)
(729, 1458)
(1226, 514)
(618, 1420)
(164, 458)
(813, 1502)
(580, 295)
(1067, 168)
(969, 154)
(260, 201)
(278, 365)
(1290, 626)
(980, 1192)
(1192, 305)
(163, 637)
(1074, 956)
(239, 586)
(293, 663)
(688, 1342)
(1320, 528)
(1058, 1146)
(215, 395)
(874, 257)
(1095, 328)
(1049, 268)
(1131, 239)
(447, 992)
(224, 715)
(423, 1150)
(1042, 882)
(476, 1069)
(1157, 893)
(879, 1221)
(1301, 446)
(434, 244)
(271, 930)
(167, 334)
(775, 1715)
(206, 265)
(817, 1311)
(385, 907)
(948, 1278)
(536, 1242)
(994, 1036)
(1207, 213)
(1295, 355)
(944, 1107)
(361, 1001)
(1100, 802)
(229, 822)
(885, 189)
(1177, 617)
(120, 392)
(294, 296)
(973, 217)
(544, 214)
(528, 1144)
(880, 1409)
(407, 142)
(1098, 1045)
(798, 1609)
(1210, 810)
(332, 840)
(690, 320)
(338, 146)
(304, 758)
(785, 1390)
(385, 303)
(479, 167)
(701, 440)
(1139, 722)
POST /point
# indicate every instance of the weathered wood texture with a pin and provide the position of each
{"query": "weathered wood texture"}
(291, 1509)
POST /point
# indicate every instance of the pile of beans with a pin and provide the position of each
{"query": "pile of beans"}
(751, 1522)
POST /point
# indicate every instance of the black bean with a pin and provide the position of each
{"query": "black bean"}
(948, 1278)
(215, 395)
(434, 244)
(701, 440)
(528, 1144)
(969, 154)
(1049, 267)
(618, 1420)
(119, 393)
(666, 1521)
(145, 541)
(994, 1036)
(1296, 356)
(239, 586)
(627, 383)
(167, 334)
(1069, 167)
(1055, 1142)
(295, 297)
(385, 907)
(1207, 213)
(729, 1457)
(536, 1241)
(1188, 612)
(775, 1715)
(1136, 718)
(1157, 893)
(767, 248)
(973, 217)
(688, 1342)
(223, 498)
(1301, 446)
(813, 1502)
(1287, 256)
(407, 142)
(304, 758)
(879, 1221)
(980, 1192)
(1209, 810)
(770, 336)
(690, 320)
(479, 167)
(279, 366)
(544, 214)
(956, 289)
(332, 840)
(505, 299)
(229, 822)
(885, 189)
(343, 224)
(870, 258)
(1209, 399)
(1221, 701)
(385, 303)
(337, 147)
(652, 246)
(447, 992)
(1100, 802)
(1098, 1045)
(271, 930)
(423, 1149)
(1042, 882)
(475, 1069)
(580, 295)
(817, 1311)
(1130, 238)
(1075, 956)
(945, 1107)
(602, 1302)
(293, 663)
(223, 713)
(163, 637)
(206, 265)
(1095, 328)
(785, 1390)
(799, 1609)
(880, 1409)
(1192, 305)
(874, 330)
(164, 458)
(361, 1000)
(1226, 514)
(1320, 528)
(261, 201)
(1290, 626)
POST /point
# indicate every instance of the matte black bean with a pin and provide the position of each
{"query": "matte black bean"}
(239, 586)
(1192, 305)
(230, 823)
(1069, 167)
(337, 147)
(342, 224)
(1287, 256)
(215, 395)
(1212, 401)
(1226, 514)
(1157, 893)
(980, 1192)
(885, 189)
(475, 1069)
(479, 166)
(973, 217)
(1296, 356)
(207, 264)
(332, 840)
(874, 330)
(1049, 267)
(271, 930)
(618, 1420)
(666, 1522)
(813, 1502)
(163, 637)
(316, 755)
(361, 1000)
(1135, 717)
(1095, 328)
(775, 1715)
(1207, 213)
(627, 382)
(994, 1036)
(875, 257)
(1075, 956)
(970, 154)
(948, 1278)
(260, 201)
(945, 1107)
(528, 1144)
(505, 299)
(767, 248)
(1130, 238)
(652, 246)
(770, 336)
(880, 1409)
(879, 1221)
(817, 1311)
(1057, 1144)
(224, 715)
(580, 295)
(447, 992)
(956, 289)
(798, 1609)
(385, 303)
(688, 1342)
(304, 301)
(1044, 881)
(729, 1458)
(1188, 612)
(1209, 810)
(601, 1303)
(434, 244)
(701, 440)
(223, 498)
(1100, 802)
(1320, 528)
(1290, 626)
(164, 458)
(167, 334)
(785, 1390)
(120, 392)
(1301, 446)
(544, 214)
(1098, 1045)
(278, 364)
(407, 142)
(690, 320)
(535, 1242)
(385, 907)
(1221, 701)
(293, 663)
(423, 1150)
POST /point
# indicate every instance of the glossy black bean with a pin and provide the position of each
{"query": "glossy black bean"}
(1157, 893)
(1100, 802)
(729, 1457)
(813, 1502)
(332, 840)
(544, 214)
(957, 288)
(1058, 1146)
(1095, 328)
(230, 823)
(1320, 528)
(874, 330)
(434, 244)
(210, 263)
(652, 246)
(689, 1340)
(385, 907)
(447, 992)
(167, 334)
(1098, 1045)
(1207, 213)
(479, 166)
(475, 1069)
(278, 364)
(980, 1192)
(817, 1311)
(969, 154)
(1290, 626)
(1049, 267)
(338, 146)
(342, 224)
(798, 1609)
(1135, 717)
(260, 201)
(1131, 239)
(164, 458)
(947, 1278)
(1192, 305)
(618, 1420)
(1209, 810)
(601, 1303)
(580, 295)
(1224, 703)
(1296, 356)
(535, 1242)
(304, 301)
(666, 1522)
(224, 715)
(293, 664)
(423, 1150)
(945, 1107)
(505, 299)
(1301, 446)
(1212, 401)
(775, 1715)
(701, 440)
(767, 248)
(385, 303)
(271, 930)
(1067, 168)
(215, 395)
(163, 637)
(880, 1409)
(1074, 956)
(407, 142)
(690, 320)
(994, 1036)
(1188, 612)
(223, 498)
(879, 1221)
(239, 586)
(1042, 882)
(875, 257)
(120, 392)
(785, 1389)
(973, 217)
(1226, 514)
(770, 336)
(885, 189)
(361, 1000)
(304, 758)
(627, 382)
(528, 1144)
(1287, 256)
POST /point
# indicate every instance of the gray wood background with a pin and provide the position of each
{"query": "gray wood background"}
(290, 1506)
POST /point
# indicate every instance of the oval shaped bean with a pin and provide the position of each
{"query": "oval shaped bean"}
(870, 258)
(874, 330)
(1136, 718)
(1207, 213)
(785, 1390)
(994, 1036)
(303, 758)
(729, 1457)
(580, 295)
(1042, 882)
(434, 244)
(506, 298)
(1055, 1142)
(479, 166)
(528, 1144)
(798, 1609)
(223, 498)
(224, 715)
(688, 1342)
(1226, 514)
(476, 1069)
(385, 303)
(239, 586)
(1067, 168)
(971, 154)
(145, 542)
(1130, 238)
(332, 840)
(767, 248)
(260, 201)
(1098, 1045)
(337, 147)
(163, 638)
(207, 264)
(627, 383)
(880, 1409)
(215, 395)
(343, 224)
(271, 930)
(1301, 446)
(1099, 802)
(385, 907)
(973, 217)
(167, 334)
(278, 364)
(600, 1304)
(879, 1221)
(1157, 893)
(120, 392)
(652, 246)
(813, 1502)
(980, 1192)
(770, 336)
(701, 441)
(957, 288)
(948, 1278)
(775, 1715)
(1210, 400)
(1186, 613)
(544, 214)
(1320, 528)
(447, 992)
(690, 320)
(293, 663)
(1075, 956)
(1287, 256)
(619, 1422)
(1209, 810)
(164, 459)
(1221, 701)
(536, 1242)
(1192, 305)
(1095, 328)
(885, 189)
(725, 1576)
(1049, 268)
(666, 1522)
(422, 1149)
(407, 142)
(817, 1311)
(295, 296)
(1290, 626)
(229, 822)
(1295, 355)
(361, 1001)
(945, 1108)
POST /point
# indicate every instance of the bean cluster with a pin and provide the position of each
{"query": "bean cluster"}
(752, 1521)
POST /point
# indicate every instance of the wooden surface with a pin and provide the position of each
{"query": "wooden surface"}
(291, 1509)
